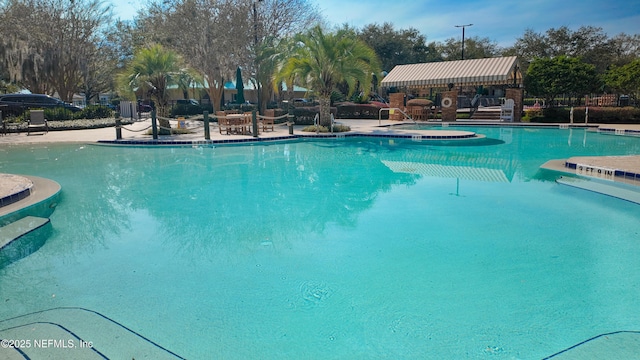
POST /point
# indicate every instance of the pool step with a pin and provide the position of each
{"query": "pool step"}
(613, 345)
(17, 229)
(616, 190)
(72, 333)
(23, 237)
(42, 340)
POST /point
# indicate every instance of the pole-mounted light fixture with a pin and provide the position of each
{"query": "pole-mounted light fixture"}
(463, 26)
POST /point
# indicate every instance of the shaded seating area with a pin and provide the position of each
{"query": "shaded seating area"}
(450, 79)
(37, 121)
(419, 109)
(234, 124)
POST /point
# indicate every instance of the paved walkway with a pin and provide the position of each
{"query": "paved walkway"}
(136, 131)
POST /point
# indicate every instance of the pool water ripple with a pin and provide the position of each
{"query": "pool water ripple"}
(320, 249)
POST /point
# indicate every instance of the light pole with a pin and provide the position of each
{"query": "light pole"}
(255, 23)
(255, 44)
(463, 26)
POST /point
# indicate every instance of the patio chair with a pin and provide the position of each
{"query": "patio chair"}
(36, 121)
(223, 122)
(417, 113)
(265, 123)
(248, 122)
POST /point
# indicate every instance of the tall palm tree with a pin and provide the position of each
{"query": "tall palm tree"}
(320, 61)
(152, 70)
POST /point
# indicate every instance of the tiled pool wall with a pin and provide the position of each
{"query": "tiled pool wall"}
(42, 209)
(619, 173)
(135, 142)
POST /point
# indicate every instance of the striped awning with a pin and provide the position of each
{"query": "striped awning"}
(474, 72)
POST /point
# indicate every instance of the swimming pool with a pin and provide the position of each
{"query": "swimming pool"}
(334, 249)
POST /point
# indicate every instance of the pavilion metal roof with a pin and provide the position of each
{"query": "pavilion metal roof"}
(474, 72)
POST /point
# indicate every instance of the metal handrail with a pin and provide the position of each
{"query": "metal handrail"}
(389, 109)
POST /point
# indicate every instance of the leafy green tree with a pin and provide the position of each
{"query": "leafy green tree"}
(186, 79)
(321, 61)
(48, 46)
(625, 48)
(550, 77)
(625, 79)
(474, 48)
(152, 70)
(589, 43)
(398, 47)
(271, 53)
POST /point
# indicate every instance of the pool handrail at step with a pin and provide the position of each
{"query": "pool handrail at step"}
(392, 108)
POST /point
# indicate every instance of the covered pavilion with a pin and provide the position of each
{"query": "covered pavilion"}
(448, 75)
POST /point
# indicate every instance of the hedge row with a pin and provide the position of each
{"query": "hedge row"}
(603, 115)
(89, 112)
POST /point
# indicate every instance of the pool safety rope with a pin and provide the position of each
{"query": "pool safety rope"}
(141, 130)
(202, 125)
(289, 123)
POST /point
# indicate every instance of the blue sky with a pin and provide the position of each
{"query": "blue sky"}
(500, 21)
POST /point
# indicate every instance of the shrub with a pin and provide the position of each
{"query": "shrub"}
(324, 129)
(554, 114)
(56, 114)
(532, 115)
(240, 107)
(89, 112)
(188, 109)
(305, 115)
(603, 115)
(341, 128)
(357, 111)
(94, 112)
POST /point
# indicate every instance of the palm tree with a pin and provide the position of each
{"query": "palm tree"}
(320, 61)
(152, 70)
(186, 79)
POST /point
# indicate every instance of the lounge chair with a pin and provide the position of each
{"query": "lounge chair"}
(36, 121)
(506, 110)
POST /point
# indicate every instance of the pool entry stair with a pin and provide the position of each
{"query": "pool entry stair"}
(622, 344)
(25, 206)
(616, 176)
(617, 190)
(75, 333)
(22, 238)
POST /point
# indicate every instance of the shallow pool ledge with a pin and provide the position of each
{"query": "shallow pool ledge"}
(37, 197)
(617, 168)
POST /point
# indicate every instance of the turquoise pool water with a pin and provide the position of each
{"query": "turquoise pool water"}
(357, 248)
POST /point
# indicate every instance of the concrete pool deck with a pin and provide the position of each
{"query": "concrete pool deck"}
(138, 131)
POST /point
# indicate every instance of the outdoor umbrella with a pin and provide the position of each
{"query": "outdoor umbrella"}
(239, 87)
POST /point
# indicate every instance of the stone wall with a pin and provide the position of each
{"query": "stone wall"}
(450, 112)
(397, 100)
(517, 95)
